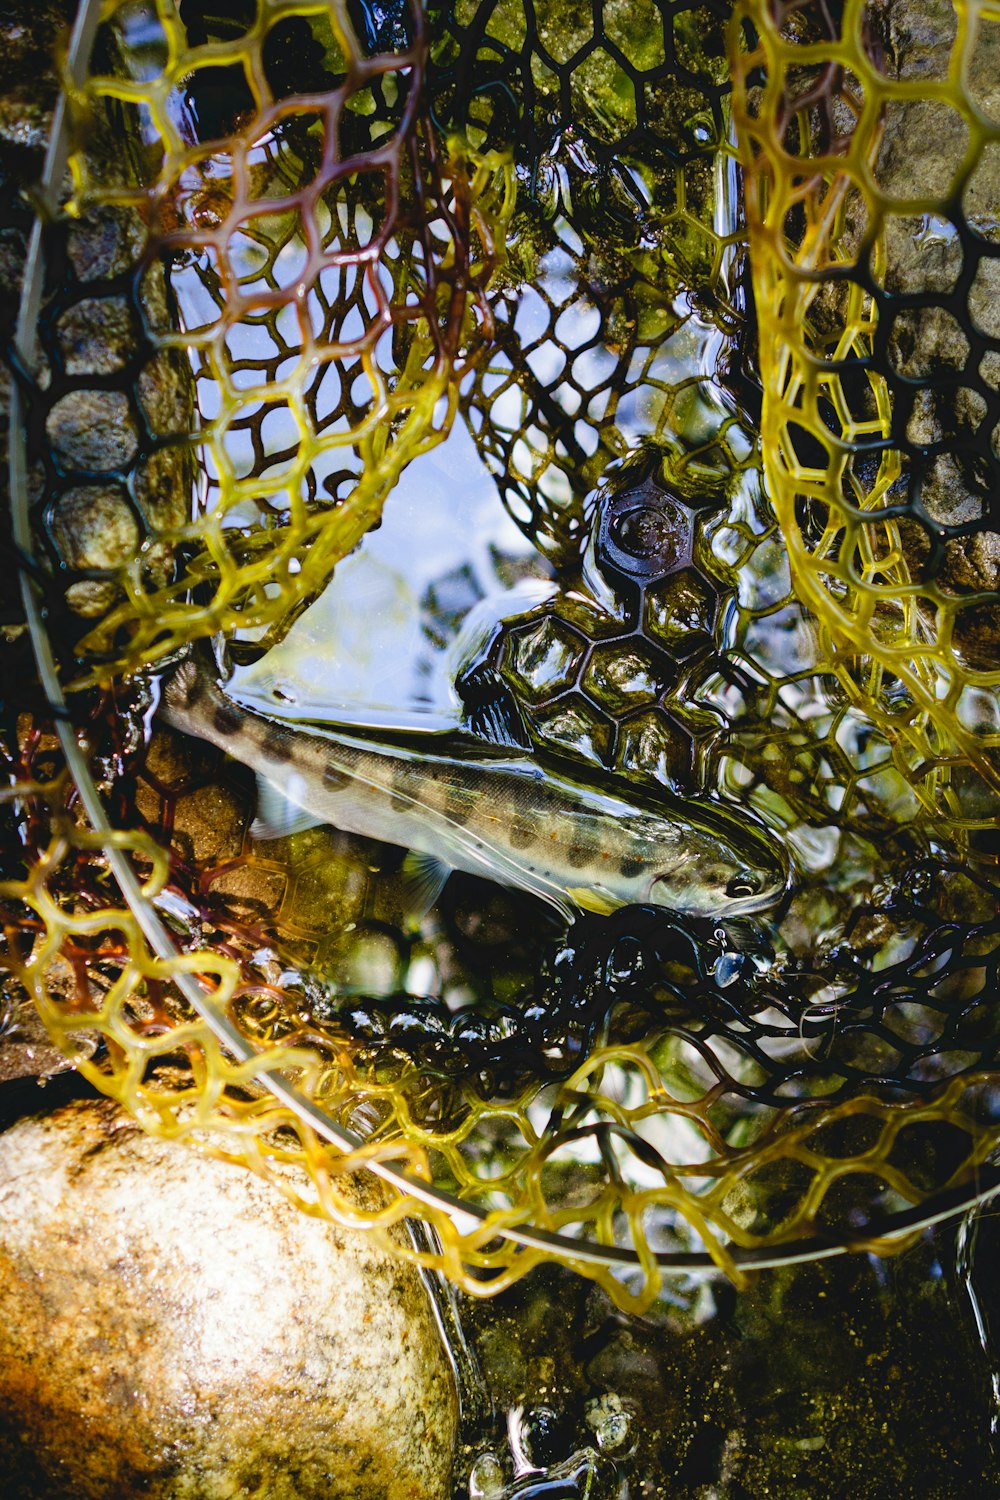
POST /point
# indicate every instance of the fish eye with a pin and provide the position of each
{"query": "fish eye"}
(742, 884)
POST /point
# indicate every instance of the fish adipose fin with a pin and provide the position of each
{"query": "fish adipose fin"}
(279, 813)
(423, 879)
(492, 712)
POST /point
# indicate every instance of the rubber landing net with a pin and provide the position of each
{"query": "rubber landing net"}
(295, 244)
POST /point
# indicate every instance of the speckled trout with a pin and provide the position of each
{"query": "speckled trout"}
(572, 844)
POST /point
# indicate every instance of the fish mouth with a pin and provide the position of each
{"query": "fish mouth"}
(742, 906)
(717, 906)
(750, 889)
(767, 868)
(733, 865)
(771, 887)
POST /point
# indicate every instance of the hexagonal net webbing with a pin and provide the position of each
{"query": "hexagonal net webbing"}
(285, 267)
(290, 257)
(870, 168)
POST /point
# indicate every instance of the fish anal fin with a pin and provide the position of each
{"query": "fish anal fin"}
(422, 879)
(279, 812)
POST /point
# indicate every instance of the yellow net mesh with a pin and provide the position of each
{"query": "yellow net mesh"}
(326, 257)
(297, 275)
(873, 240)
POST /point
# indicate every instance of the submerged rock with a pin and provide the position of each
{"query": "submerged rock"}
(922, 155)
(936, 279)
(849, 1377)
(172, 1327)
(26, 1049)
(125, 465)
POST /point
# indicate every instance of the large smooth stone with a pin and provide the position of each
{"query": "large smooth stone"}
(172, 1327)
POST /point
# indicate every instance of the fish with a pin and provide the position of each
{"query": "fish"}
(491, 812)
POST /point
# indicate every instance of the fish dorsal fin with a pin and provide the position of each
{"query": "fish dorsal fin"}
(492, 712)
(422, 880)
(280, 810)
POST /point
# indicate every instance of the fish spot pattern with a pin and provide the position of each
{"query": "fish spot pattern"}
(276, 746)
(334, 778)
(225, 719)
(399, 789)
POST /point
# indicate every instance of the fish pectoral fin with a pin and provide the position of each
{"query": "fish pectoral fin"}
(278, 813)
(593, 899)
(422, 879)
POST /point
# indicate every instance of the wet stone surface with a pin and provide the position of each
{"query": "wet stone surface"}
(172, 1326)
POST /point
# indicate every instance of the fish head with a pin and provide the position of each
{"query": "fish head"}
(721, 867)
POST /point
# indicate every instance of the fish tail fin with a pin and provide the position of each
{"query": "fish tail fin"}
(194, 681)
